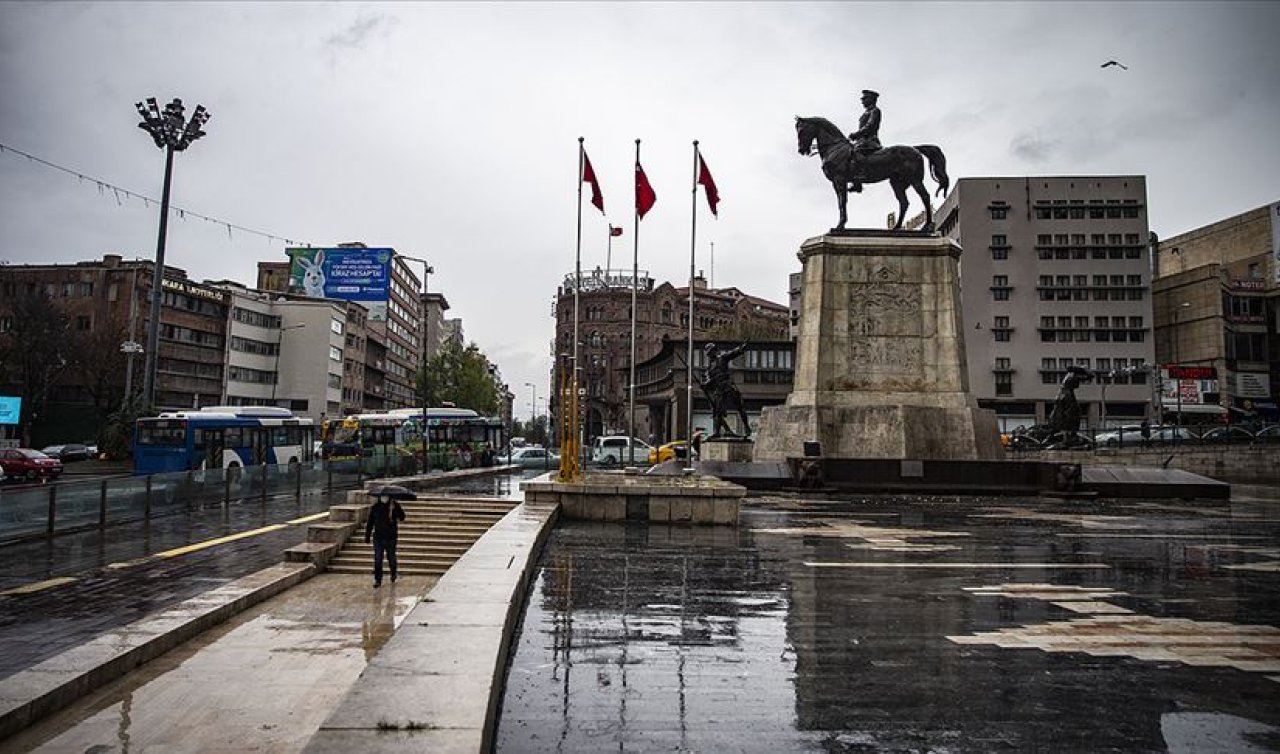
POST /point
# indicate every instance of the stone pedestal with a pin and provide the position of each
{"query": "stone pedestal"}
(727, 449)
(880, 362)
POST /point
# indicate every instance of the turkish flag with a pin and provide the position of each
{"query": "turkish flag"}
(615, 231)
(589, 176)
(644, 192)
(708, 184)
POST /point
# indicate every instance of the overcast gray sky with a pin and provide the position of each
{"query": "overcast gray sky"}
(450, 130)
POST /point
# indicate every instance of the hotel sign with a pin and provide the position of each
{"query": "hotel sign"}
(191, 289)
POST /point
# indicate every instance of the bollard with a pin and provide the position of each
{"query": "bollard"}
(297, 481)
(53, 506)
(146, 506)
(226, 487)
(328, 470)
(102, 506)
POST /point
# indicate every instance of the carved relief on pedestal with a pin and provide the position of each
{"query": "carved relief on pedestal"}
(885, 324)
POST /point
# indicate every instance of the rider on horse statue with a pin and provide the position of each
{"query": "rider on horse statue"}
(867, 138)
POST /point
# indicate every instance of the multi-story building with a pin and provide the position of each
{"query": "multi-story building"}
(385, 283)
(285, 351)
(106, 304)
(1217, 306)
(604, 329)
(434, 331)
(1056, 272)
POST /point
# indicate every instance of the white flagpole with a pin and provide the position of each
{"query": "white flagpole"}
(635, 283)
(577, 286)
(693, 249)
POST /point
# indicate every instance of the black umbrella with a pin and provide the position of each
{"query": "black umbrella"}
(393, 492)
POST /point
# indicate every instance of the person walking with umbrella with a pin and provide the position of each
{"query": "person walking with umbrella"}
(383, 527)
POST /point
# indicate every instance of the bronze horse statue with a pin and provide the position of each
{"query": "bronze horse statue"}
(901, 165)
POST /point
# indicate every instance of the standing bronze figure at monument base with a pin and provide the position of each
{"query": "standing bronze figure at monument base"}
(722, 394)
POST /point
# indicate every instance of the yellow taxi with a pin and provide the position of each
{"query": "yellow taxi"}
(678, 449)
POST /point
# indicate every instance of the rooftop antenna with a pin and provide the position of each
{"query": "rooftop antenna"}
(711, 281)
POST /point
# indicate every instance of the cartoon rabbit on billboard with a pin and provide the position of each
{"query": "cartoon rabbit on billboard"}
(313, 277)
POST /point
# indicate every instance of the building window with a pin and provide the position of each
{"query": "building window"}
(82, 323)
(335, 354)
(335, 325)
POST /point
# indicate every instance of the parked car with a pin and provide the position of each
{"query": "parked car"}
(1132, 436)
(1227, 435)
(533, 457)
(662, 453)
(610, 450)
(1042, 437)
(67, 453)
(29, 464)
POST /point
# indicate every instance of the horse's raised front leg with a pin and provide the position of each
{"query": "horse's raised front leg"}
(842, 199)
(928, 206)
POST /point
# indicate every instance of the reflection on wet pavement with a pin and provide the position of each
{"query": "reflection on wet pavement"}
(810, 629)
(263, 681)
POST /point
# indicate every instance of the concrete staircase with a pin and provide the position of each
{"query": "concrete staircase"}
(437, 530)
(434, 534)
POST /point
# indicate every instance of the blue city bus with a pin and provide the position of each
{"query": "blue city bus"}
(221, 437)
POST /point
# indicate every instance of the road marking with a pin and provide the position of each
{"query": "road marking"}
(37, 586)
(219, 541)
(308, 519)
(1063, 566)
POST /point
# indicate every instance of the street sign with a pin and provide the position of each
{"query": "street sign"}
(130, 346)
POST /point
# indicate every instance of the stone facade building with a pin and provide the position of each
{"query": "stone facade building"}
(1055, 272)
(1217, 307)
(106, 303)
(604, 329)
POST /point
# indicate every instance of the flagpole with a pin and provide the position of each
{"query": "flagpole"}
(688, 362)
(569, 460)
(635, 283)
(608, 255)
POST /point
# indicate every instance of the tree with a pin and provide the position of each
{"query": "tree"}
(463, 377)
(35, 351)
(100, 366)
(534, 430)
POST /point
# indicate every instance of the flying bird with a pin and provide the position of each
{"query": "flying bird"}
(1114, 62)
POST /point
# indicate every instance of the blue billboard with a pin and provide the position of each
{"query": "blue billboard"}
(349, 274)
(10, 409)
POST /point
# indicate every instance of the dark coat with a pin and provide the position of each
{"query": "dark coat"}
(384, 520)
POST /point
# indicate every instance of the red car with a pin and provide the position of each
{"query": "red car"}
(25, 463)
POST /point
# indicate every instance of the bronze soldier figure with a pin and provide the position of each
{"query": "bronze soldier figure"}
(717, 383)
(866, 139)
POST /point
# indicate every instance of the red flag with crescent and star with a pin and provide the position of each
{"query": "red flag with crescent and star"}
(589, 176)
(645, 197)
(708, 185)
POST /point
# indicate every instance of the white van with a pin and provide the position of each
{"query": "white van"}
(610, 450)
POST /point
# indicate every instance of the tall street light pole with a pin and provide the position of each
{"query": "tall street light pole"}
(279, 348)
(427, 269)
(172, 132)
(1177, 359)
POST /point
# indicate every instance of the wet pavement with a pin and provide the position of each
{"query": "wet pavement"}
(908, 624)
(262, 681)
(59, 593)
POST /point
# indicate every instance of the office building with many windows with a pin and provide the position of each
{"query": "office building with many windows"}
(1055, 273)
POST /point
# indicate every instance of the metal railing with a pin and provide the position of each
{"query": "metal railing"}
(45, 510)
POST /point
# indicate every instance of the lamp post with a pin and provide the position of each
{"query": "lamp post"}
(172, 132)
(427, 269)
(279, 347)
(1177, 359)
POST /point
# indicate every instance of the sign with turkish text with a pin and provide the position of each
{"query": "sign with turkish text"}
(1176, 372)
(347, 274)
(1252, 385)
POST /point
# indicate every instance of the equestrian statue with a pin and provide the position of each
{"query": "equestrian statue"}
(849, 162)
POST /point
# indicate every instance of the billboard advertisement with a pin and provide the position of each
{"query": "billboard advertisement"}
(348, 274)
(10, 409)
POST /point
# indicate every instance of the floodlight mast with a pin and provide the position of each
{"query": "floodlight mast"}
(173, 133)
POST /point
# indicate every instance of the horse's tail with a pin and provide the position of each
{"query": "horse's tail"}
(937, 166)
